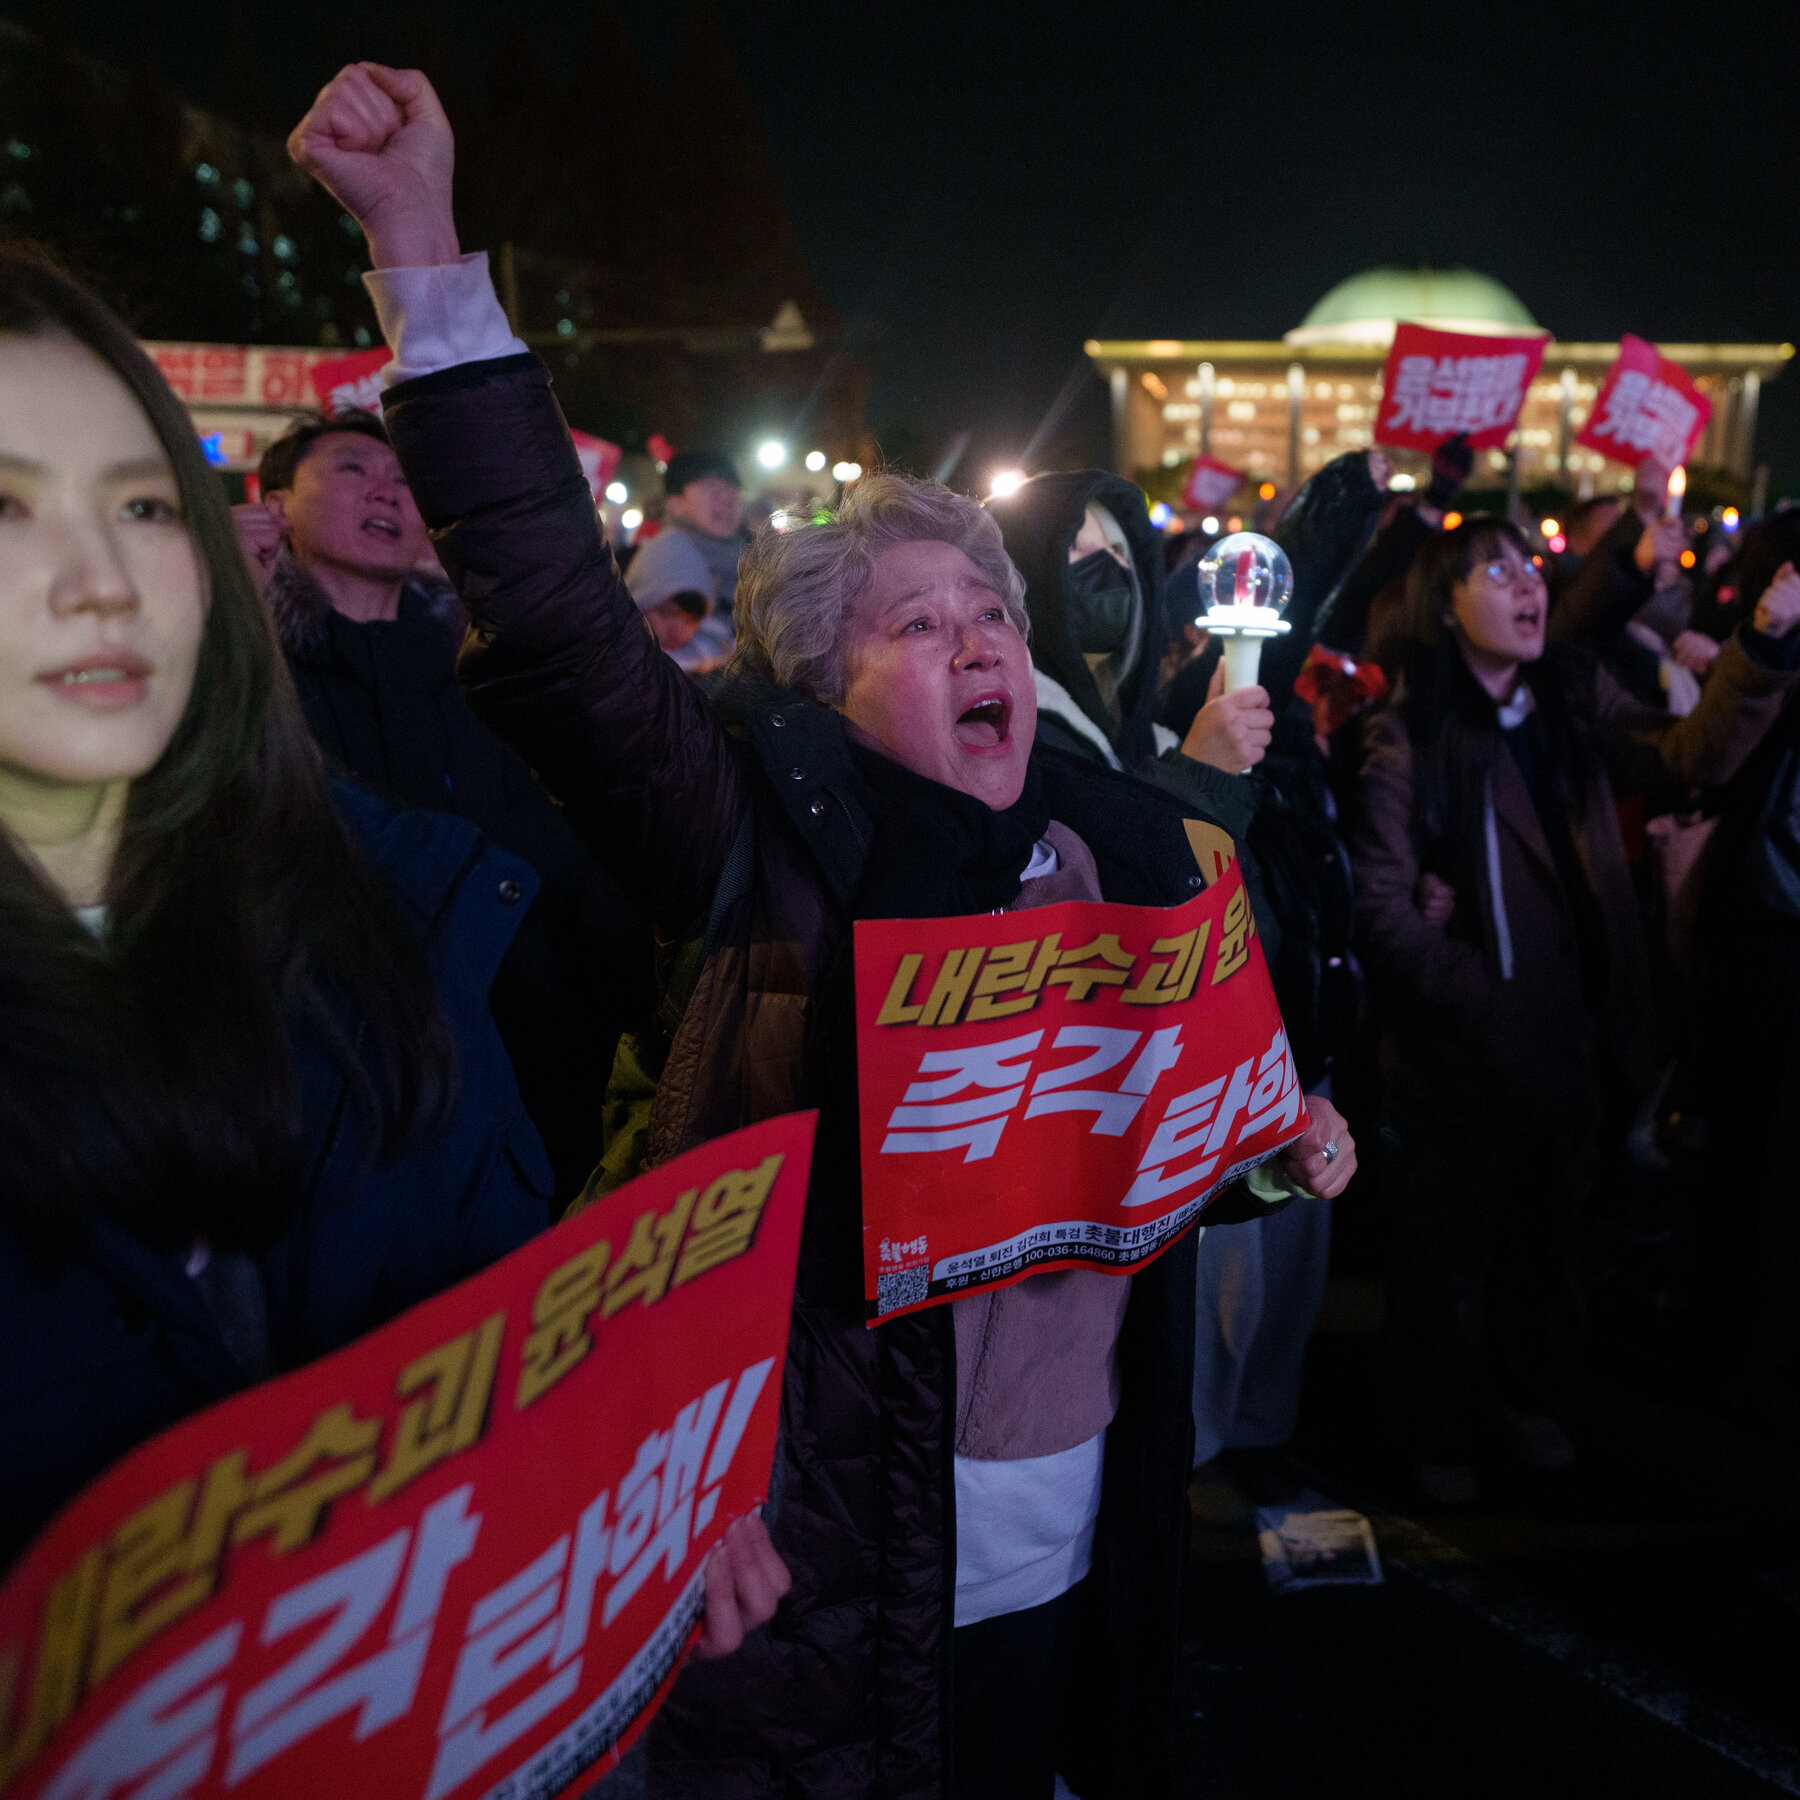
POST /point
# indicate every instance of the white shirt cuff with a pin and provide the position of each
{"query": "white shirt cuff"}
(436, 318)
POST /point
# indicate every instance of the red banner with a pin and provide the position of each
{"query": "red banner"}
(1437, 383)
(351, 383)
(1647, 407)
(461, 1557)
(598, 459)
(1211, 484)
(1064, 1086)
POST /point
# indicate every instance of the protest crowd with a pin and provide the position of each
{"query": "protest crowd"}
(387, 875)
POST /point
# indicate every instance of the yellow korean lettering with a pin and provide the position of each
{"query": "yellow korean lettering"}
(894, 1009)
(290, 1507)
(460, 1375)
(725, 1218)
(951, 988)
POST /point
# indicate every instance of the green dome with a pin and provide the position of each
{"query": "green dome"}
(1365, 307)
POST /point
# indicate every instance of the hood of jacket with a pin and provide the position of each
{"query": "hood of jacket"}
(1039, 523)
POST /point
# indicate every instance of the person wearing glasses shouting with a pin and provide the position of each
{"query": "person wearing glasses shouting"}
(1497, 914)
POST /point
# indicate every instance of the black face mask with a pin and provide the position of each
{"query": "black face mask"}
(1103, 603)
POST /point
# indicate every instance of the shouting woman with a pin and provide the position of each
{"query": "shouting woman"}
(974, 1499)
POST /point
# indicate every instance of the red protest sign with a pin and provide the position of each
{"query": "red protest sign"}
(1063, 1086)
(1437, 383)
(598, 459)
(462, 1556)
(1647, 407)
(348, 383)
(1211, 484)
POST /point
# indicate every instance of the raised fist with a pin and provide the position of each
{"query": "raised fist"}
(377, 140)
(259, 531)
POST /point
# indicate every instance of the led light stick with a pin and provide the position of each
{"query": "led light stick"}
(1245, 583)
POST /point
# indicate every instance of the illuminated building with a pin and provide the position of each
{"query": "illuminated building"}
(1281, 410)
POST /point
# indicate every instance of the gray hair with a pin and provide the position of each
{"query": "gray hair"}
(796, 589)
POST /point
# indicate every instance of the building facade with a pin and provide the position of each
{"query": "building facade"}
(1281, 410)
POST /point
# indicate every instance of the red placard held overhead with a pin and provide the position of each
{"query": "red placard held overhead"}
(347, 382)
(461, 1557)
(1211, 484)
(1437, 383)
(1064, 1087)
(1647, 407)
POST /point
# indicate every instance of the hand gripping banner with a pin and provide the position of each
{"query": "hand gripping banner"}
(1062, 1087)
(461, 1557)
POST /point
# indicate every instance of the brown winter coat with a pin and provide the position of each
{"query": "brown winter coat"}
(736, 827)
(1528, 1043)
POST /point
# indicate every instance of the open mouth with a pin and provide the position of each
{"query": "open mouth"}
(1530, 619)
(984, 726)
(385, 528)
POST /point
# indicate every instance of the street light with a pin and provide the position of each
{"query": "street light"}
(771, 453)
(815, 461)
(1006, 482)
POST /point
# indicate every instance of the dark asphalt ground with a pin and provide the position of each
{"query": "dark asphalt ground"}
(1630, 1628)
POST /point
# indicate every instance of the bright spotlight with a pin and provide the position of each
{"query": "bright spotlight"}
(615, 492)
(1210, 524)
(1549, 527)
(631, 519)
(1159, 514)
(846, 471)
(771, 453)
(1729, 518)
(815, 460)
(1006, 482)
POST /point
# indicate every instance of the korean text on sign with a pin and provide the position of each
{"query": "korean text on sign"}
(1064, 1086)
(464, 1553)
(1646, 408)
(1439, 383)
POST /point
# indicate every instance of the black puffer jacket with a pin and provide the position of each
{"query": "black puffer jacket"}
(752, 842)
(1326, 529)
(383, 705)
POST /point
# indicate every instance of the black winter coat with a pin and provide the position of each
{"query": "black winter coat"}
(113, 1342)
(751, 842)
(383, 705)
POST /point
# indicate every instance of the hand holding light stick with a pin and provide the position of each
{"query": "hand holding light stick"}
(1245, 581)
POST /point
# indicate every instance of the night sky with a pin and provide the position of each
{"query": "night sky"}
(982, 187)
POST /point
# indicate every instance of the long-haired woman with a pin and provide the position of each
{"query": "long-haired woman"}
(251, 1102)
(1497, 913)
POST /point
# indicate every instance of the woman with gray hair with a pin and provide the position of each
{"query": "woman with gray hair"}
(982, 1505)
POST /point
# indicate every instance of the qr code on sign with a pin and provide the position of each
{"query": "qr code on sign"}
(904, 1287)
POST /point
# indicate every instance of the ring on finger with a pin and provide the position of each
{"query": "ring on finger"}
(1330, 1151)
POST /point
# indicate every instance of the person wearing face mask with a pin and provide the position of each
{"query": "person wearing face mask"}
(1494, 773)
(372, 654)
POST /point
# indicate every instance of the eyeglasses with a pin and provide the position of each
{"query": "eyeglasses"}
(1509, 574)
